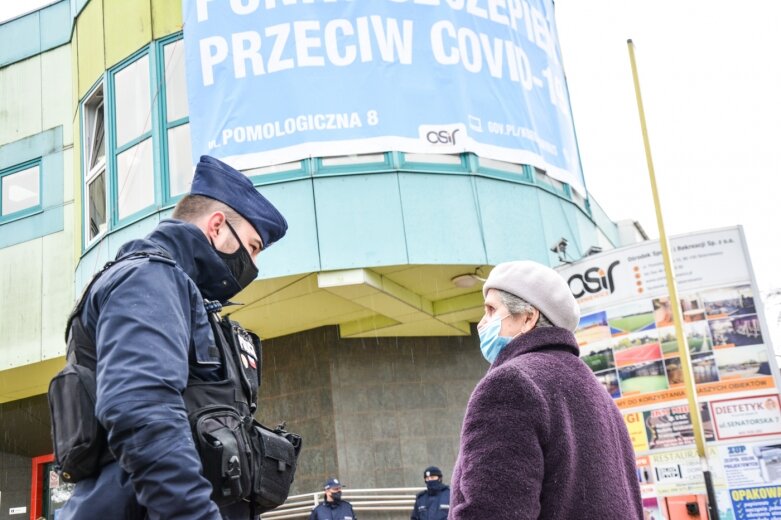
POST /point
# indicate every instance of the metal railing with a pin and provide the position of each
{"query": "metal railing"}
(378, 499)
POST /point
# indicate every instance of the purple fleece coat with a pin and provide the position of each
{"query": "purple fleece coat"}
(543, 439)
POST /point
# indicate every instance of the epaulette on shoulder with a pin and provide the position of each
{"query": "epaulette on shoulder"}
(164, 259)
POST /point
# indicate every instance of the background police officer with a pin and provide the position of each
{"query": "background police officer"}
(147, 319)
(333, 507)
(434, 502)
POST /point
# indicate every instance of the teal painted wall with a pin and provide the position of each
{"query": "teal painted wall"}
(397, 218)
(46, 146)
(34, 33)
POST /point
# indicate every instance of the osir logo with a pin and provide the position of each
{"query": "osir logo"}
(442, 136)
(445, 135)
(592, 280)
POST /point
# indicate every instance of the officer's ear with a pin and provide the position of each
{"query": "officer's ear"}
(213, 223)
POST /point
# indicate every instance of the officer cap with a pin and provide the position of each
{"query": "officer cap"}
(217, 180)
(332, 482)
(432, 471)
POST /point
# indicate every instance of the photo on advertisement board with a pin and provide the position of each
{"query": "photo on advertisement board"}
(592, 328)
(736, 331)
(663, 313)
(674, 371)
(704, 368)
(698, 337)
(668, 341)
(651, 509)
(645, 474)
(633, 317)
(668, 427)
(609, 381)
(692, 308)
(769, 457)
(643, 378)
(743, 362)
(638, 347)
(598, 356)
(729, 301)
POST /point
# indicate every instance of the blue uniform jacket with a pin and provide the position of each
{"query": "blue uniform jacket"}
(432, 506)
(150, 328)
(331, 511)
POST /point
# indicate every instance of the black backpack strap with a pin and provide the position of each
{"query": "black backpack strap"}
(161, 255)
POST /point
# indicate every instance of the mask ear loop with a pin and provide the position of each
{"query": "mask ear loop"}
(235, 235)
(531, 329)
(499, 320)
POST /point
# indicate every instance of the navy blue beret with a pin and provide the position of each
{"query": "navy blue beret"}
(432, 471)
(217, 180)
(331, 483)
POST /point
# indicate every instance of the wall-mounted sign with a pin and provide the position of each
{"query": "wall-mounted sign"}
(271, 82)
(627, 337)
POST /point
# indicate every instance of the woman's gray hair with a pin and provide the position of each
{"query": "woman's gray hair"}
(520, 306)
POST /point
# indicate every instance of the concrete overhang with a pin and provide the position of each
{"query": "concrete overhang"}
(410, 300)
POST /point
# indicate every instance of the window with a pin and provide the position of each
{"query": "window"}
(493, 164)
(94, 165)
(578, 199)
(347, 160)
(21, 190)
(543, 178)
(180, 167)
(135, 187)
(137, 119)
(432, 158)
(274, 168)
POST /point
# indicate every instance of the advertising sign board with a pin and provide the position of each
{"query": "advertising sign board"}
(271, 82)
(627, 338)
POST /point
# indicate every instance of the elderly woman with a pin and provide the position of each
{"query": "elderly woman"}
(541, 437)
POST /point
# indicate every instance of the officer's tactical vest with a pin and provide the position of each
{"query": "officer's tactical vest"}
(243, 460)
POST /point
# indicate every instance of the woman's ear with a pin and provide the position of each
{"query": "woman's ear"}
(531, 319)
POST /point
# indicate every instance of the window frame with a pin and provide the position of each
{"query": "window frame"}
(165, 126)
(113, 151)
(90, 174)
(32, 210)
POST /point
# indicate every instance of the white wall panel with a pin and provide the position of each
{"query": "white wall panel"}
(20, 304)
(56, 91)
(57, 287)
(20, 90)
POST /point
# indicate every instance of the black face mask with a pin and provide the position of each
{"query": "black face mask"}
(336, 497)
(434, 486)
(239, 262)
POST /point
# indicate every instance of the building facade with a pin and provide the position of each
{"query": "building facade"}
(370, 350)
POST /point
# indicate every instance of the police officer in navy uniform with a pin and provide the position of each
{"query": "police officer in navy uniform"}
(434, 502)
(151, 331)
(333, 507)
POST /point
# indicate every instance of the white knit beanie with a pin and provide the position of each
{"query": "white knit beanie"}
(539, 285)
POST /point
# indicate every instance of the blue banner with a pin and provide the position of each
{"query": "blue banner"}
(757, 502)
(273, 81)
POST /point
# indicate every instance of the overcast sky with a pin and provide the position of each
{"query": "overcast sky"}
(710, 78)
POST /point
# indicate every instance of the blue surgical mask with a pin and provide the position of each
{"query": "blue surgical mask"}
(491, 343)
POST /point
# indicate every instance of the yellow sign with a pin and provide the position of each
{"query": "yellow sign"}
(634, 423)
